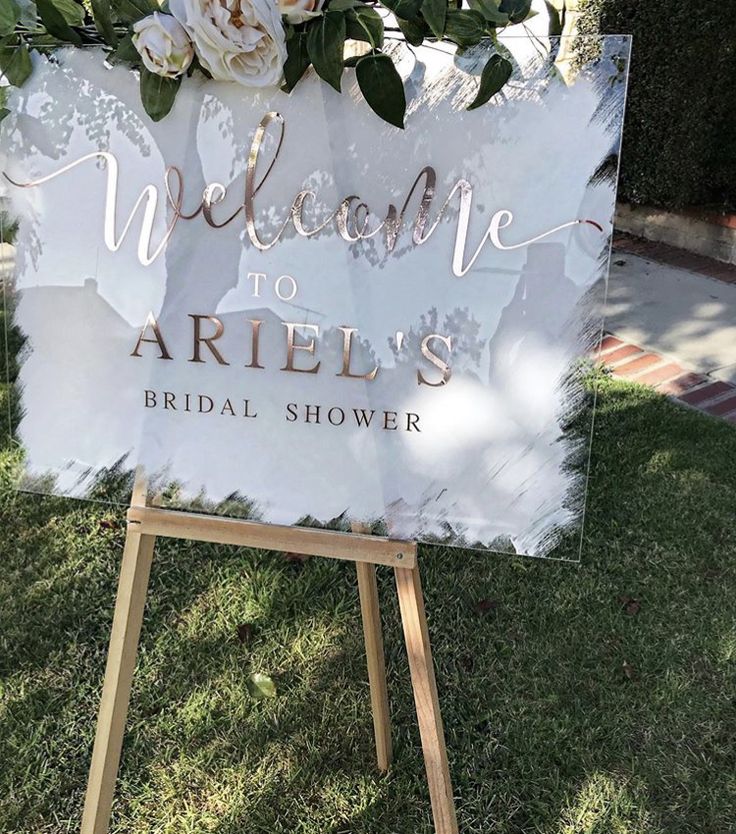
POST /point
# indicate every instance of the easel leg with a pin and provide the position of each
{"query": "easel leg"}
(370, 611)
(126, 627)
(413, 617)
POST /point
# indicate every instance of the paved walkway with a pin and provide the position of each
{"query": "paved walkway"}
(672, 324)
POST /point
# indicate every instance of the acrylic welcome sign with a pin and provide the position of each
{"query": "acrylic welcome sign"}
(285, 309)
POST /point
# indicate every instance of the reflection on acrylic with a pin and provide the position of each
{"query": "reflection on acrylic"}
(283, 308)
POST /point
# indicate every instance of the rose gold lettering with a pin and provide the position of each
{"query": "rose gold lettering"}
(437, 361)
(158, 339)
(347, 345)
(351, 223)
(291, 347)
(254, 343)
(207, 340)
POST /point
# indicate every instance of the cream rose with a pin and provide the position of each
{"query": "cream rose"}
(236, 40)
(297, 11)
(163, 44)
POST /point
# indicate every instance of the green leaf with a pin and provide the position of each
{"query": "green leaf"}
(3, 113)
(490, 12)
(102, 14)
(406, 9)
(130, 11)
(342, 5)
(496, 73)
(71, 11)
(261, 686)
(55, 24)
(9, 16)
(414, 30)
(365, 24)
(15, 62)
(325, 43)
(555, 19)
(465, 27)
(382, 88)
(435, 13)
(517, 10)
(126, 51)
(352, 60)
(297, 60)
(158, 94)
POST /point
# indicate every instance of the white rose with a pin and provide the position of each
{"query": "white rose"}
(236, 40)
(163, 44)
(297, 11)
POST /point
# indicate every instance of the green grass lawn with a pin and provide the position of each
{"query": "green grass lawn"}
(598, 699)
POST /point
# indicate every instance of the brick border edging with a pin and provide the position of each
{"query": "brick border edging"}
(696, 390)
(687, 230)
(625, 243)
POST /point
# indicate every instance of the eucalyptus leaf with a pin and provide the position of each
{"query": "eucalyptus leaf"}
(382, 88)
(365, 24)
(465, 27)
(517, 10)
(126, 51)
(71, 11)
(55, 24)
(352, 60)
(130, 11)
(325, 43)
(490, 12)
(496, 73)
(414, 30)
(28, 15)
(9, 16)
(554, 28)
(102, 14)
(297, 60)
(15, 62)
(405, 9)
(158, 94)
(435, 13)
(261, 686)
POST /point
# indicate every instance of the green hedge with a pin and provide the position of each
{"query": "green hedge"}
(680, 133)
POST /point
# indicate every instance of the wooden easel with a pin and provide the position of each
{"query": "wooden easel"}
(146, 522)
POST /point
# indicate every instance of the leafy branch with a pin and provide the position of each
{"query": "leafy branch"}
(337, 35)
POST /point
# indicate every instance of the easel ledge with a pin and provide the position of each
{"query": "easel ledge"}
(145, 523)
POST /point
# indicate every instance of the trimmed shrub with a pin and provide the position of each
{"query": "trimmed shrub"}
(679, 144)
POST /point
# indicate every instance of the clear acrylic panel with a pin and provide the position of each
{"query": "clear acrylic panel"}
(282, 308)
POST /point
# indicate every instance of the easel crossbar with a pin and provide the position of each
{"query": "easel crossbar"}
(307, 540)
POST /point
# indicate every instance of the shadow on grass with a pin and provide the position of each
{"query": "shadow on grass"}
(586, 699)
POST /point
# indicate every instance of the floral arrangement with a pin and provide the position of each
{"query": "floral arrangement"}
(257, 43)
